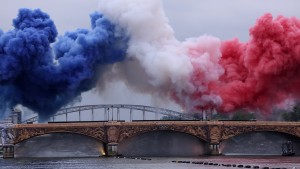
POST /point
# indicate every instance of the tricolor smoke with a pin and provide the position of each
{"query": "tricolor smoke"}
(134, 42)
(204, 73)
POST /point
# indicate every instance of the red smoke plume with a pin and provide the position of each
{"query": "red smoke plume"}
(264, 72)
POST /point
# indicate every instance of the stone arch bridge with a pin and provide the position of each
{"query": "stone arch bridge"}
(111, 133)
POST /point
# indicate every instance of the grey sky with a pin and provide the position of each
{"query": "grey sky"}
(224, 19)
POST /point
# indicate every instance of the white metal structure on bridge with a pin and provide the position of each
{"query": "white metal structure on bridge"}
(110, 109)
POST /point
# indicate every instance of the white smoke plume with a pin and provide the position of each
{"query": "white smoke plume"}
(157, 62)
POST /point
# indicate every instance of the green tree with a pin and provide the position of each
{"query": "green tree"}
(293, 115)
(243, 115)
(171, 118)
(221, 116)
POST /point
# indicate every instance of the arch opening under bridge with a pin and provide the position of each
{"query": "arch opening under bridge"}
(163, 143)
(60, 144)
(259, 143)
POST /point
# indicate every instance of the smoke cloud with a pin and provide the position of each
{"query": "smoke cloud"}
(44, 75)
(167, 63)
(204, 72)
(134, 42)
(264, 72)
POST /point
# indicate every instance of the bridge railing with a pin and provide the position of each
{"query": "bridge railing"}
(111, 112)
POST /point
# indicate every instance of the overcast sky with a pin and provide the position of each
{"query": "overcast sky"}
(224, 19)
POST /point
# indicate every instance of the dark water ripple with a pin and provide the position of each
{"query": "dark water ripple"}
(154, 163)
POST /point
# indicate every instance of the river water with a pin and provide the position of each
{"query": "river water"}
(152, 163)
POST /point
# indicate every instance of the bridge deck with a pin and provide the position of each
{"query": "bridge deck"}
(141, 123)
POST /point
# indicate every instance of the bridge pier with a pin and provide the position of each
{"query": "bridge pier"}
(112, 149)
(8, 151)
(214, 149)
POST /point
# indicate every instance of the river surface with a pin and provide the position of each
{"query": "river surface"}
(151, 163)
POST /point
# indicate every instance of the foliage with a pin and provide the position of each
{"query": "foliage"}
(171, 118)
(221, 116)
(243, 115)
(293, 115)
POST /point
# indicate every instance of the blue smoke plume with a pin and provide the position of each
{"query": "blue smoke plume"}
(45, 75)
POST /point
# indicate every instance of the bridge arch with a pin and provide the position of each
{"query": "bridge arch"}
(22, 134)
(60, 144)
(259, 142)
(232, 131)
(109, 110)
(163, 143)
(57, 132)
(199, 132)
